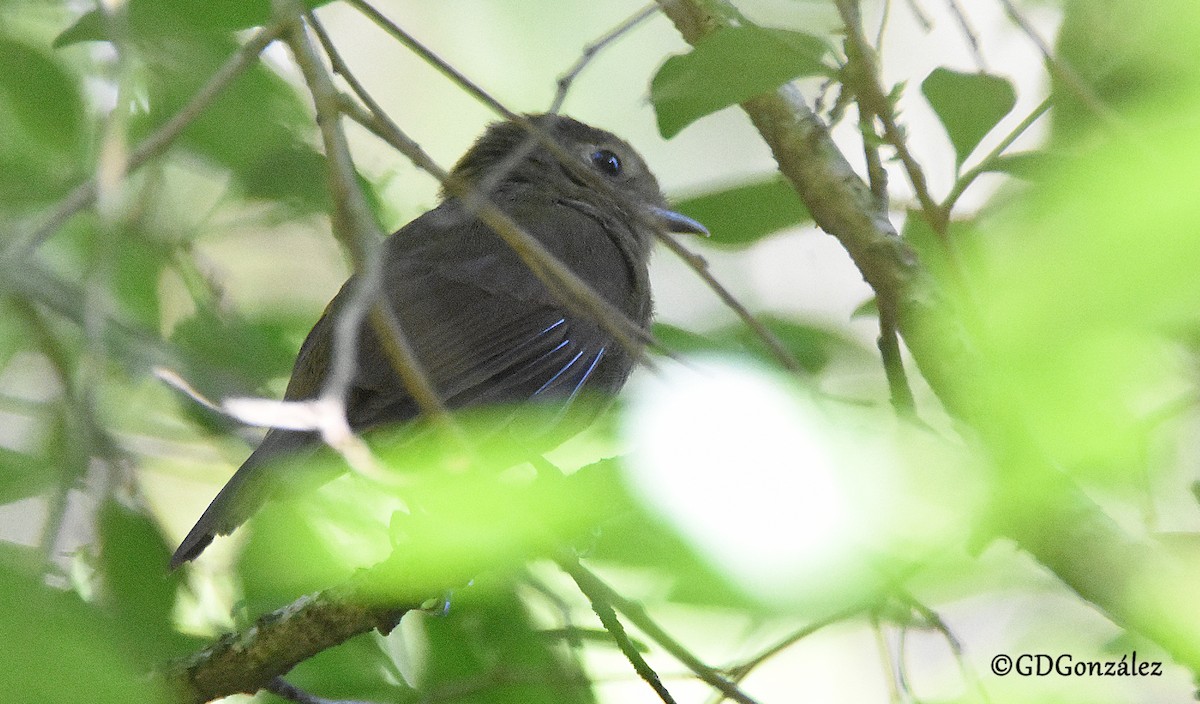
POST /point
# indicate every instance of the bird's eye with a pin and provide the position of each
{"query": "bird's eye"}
(608, 163)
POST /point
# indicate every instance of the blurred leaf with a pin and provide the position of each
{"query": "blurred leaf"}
(256, 128)
(62, 650)
(730, 66)
(23, 475)
(1087, 279)
(746, 213)
(637, 539)
(487, 650)
(1127, 55)
(140, 260)
(869, 308)
(165, 17)
(358, 669)
(41, 97)
(257, 350)
(139, 589)
(968, 104)
(41, 126)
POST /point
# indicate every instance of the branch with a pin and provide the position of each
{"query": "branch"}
(249, 661)
(612, 624)
(1135, 581)
(597, 590)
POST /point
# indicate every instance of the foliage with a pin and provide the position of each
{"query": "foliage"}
(785, 493)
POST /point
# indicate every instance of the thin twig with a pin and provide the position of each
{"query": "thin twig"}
(355, 225)
(596, 589)
(590, 51)
(612, 624)
(986, 163)
(84, 195)
(1062, 70)
(968, 32)
(935, 620)
(893, 364)
(698, 265)
(922, 17)
(873, 100)
(430, 57)
(739, 672)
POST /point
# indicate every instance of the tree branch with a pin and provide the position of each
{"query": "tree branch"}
(248, 661)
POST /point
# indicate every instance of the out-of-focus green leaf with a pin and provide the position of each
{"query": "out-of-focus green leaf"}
(164, 17)
(62, 650)
(744, 214)
(487, 650)
(1088, 281)
(41, 126)
(634, 538)
(812, 346)
(256, 350)
(968, 104)
(23, 475)
(40, 97)
(869, 307)
(139, 589)
(357, 670)
(730, 66)
(1128, 56)
(140, 260)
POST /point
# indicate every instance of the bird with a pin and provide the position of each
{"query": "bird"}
(485, 329)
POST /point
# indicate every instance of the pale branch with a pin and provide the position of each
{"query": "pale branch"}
(591, 50)
(1135, 581)
(85, 194)
(355, 226)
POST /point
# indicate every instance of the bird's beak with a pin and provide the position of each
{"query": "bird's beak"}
(672, 221)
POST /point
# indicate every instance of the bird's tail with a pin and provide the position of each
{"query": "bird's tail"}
(247, 490)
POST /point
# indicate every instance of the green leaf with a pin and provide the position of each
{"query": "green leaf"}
(22, 475)
(41, 97)
(41, 126)
(745, 213)
(1027, 165)
(140, 259)
(730, 66)
(60, 649)
(166, 17)
(358, 670)
(139, 590)
(487, 637)
(256, 350)
(968, 104)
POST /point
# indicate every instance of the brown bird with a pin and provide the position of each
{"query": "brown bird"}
(483, 327)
